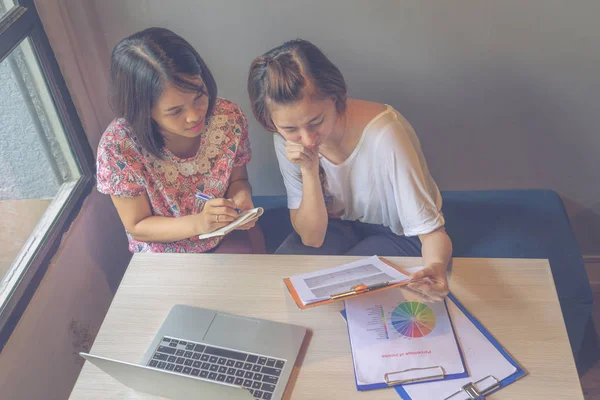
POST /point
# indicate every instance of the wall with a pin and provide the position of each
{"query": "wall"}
(503, 94)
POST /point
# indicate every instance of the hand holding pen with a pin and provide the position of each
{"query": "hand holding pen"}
(216, 214)
(205, 197)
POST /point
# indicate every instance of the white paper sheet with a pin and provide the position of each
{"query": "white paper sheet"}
(320, 285)
(390, 334)
(481, 357)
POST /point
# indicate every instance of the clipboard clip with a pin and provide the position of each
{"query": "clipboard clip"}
(358, 289)
(414, 375)
(475, 394)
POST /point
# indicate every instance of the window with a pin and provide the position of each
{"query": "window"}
(5, 5)
(46, 162)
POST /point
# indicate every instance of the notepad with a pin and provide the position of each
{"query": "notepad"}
(244, 218)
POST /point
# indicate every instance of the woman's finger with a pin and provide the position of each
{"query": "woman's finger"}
(429, 288)
(297, 155)
(219, 220)
(299, 149)
(299, 160)
(441, 288)
(416, 295)
(219, 225)
(420, 275)
(292, 145)
(219, 202)
(226, 218)
(225, 213)
(293, 156)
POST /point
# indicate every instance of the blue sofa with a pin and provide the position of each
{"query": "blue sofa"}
(497, 224)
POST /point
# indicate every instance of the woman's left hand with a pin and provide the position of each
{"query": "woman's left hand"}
(244, 203)
(431, 282)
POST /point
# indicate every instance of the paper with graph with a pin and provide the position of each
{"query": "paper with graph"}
(392, 335)
(321, 285)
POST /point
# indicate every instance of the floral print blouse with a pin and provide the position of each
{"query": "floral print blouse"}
(125, 169)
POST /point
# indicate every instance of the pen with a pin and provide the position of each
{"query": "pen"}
(359, 289)
(377, 286)
(205, 197)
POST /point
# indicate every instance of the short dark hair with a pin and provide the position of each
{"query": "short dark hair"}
(282, 74)
(141, 65)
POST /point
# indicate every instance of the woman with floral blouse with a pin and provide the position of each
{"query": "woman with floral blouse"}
(172, 140)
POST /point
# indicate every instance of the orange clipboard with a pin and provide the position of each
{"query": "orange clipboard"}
(357, 290)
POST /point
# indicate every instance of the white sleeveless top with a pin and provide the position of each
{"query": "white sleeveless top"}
(385, 181)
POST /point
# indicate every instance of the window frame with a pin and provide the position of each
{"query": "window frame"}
(19, 23)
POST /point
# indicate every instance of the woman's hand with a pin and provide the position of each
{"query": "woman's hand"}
(240, 192)
(432, 281)
(216, 214)
(244, 203)
(429, 284)
(307, 159)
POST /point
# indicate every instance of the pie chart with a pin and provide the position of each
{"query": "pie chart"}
(413, 319)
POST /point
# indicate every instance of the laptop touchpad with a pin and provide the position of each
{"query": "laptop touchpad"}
(228, 330)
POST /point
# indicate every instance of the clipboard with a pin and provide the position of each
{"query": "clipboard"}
(472, 389)
(413, 375)
(479, 389)
(356, 290)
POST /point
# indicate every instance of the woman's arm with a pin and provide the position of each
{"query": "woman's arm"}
(136, 215)
(418, 206)
(310, 219)
(300, 168)
(436, 248)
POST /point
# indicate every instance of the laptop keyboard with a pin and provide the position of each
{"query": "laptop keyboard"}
(257, 373)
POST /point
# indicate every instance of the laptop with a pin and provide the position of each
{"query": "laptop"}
(205, 354)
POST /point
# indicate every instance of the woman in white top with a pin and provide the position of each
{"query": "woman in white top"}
(356, 179)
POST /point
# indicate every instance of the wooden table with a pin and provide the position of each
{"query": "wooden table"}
(514, 299)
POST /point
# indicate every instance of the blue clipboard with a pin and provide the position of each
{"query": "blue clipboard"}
(383, 385)
(518, 374)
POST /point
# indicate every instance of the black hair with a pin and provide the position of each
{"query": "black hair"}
(141, 65)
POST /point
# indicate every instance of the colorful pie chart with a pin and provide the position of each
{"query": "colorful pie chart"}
(413, 319)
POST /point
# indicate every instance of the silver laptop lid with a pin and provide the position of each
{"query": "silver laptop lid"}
(217, 330)
(236, 332)
(165, 383)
